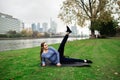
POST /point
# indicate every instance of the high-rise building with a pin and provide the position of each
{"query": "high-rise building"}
(53, 26)
(7, 23)
(45, 27)
(38, 27)
(34, 28)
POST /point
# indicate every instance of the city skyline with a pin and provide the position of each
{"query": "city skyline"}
(30, 11)
(34, 11)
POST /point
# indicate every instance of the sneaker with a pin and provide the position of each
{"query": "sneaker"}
(68, 29)
(88, 61)
(85, 61)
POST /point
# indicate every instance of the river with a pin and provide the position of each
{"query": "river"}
(29, 43)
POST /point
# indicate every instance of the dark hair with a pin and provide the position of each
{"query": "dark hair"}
(41, 49)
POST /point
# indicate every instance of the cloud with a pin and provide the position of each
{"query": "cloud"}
(31, 10)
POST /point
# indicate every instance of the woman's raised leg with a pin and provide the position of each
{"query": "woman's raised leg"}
(62, 44)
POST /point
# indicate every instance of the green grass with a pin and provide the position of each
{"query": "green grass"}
(24, 64)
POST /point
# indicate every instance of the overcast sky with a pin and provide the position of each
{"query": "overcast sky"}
(30, 11)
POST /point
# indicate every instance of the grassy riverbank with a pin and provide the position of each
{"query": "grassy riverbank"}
(24, 64)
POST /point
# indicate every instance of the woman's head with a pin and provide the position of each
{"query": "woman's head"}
(44, 46)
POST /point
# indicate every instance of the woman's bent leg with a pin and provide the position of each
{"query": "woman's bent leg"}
(70, 60)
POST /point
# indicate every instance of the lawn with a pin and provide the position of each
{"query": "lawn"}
(24, 64)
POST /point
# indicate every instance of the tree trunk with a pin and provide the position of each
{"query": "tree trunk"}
(92, 30)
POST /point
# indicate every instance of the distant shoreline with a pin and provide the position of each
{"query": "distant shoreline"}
(33, 38)
(26, 38)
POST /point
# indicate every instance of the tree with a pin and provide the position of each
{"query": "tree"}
(24, 32)
(107, 28)
(81, 10)
(11, 32)
(35, 34)
(27, 32)
(118, 2)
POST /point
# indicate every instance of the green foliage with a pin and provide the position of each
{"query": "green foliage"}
(106, 25)
(108, 29)
(26, 33)
(34, 34)
(3, 35)
(12, 34)
(47, 34)
(118, 31)
(24, 64)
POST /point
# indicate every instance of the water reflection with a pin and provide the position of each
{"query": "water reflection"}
(28, 43)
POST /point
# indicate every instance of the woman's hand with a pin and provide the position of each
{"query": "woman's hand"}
(58, 64)
(43, 65)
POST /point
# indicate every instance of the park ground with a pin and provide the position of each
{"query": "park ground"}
(24, 64)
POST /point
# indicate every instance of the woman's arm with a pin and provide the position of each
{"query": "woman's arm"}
(43, 61)
(58, 64)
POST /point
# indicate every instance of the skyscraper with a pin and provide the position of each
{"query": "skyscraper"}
(38, 27)
(53, 26)
(34, 28)
(45, 27)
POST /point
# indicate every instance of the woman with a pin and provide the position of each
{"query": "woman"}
(57, 57)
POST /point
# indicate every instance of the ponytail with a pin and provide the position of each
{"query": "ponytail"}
(41, 50)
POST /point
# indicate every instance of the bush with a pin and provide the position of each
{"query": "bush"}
(118, 31)
(3, 35)
(108, 29)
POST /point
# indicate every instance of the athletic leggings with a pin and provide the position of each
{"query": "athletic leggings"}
(64, 59)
